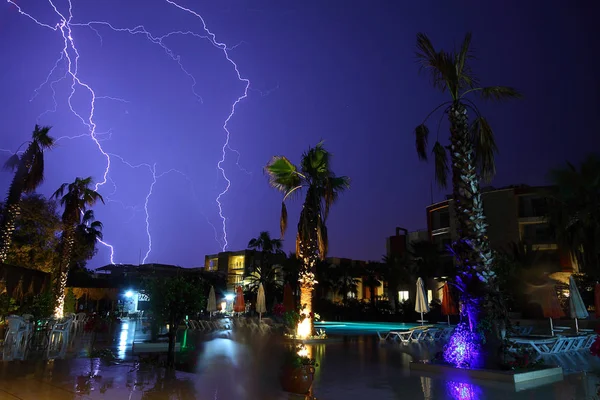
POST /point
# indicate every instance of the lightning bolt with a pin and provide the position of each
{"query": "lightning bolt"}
(226, 145)
(69, 55)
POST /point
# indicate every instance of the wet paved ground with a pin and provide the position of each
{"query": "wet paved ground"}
(240, 366)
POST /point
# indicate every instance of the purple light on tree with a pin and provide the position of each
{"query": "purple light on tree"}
(463, 347)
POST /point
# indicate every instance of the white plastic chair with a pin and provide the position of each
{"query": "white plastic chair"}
(27, 317)
(16, 338)
(59, 339)
(79, 321)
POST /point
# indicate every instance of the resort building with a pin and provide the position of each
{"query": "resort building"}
(401, 245)
(234, 264)
(514, 214)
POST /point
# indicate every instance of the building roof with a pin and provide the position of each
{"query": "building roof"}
(125, 267)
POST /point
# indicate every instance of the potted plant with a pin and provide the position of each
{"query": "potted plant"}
(298, 370)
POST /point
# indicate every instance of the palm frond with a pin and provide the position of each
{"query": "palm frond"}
(441, 164)
(88, 217)
(283, 175)
(283, 221)
(315, 162)
(322, 239)
(499, 93)
(463, 68)
(97, 225)
(59, 193)
(485, 147)
(422, 137)
(12, 163)
(436, 63)
(40, 135)
(334, 186)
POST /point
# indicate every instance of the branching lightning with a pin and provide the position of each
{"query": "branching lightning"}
(69, 60)
(226, 146)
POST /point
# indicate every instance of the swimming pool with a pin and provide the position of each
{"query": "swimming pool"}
(361, 328)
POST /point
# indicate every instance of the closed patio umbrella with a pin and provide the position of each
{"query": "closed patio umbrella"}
(448, 305)
(288, 298)
(421, 303)
(261, 306)
(576, 307)
(211, 307)
(550, 306)
(239, 305)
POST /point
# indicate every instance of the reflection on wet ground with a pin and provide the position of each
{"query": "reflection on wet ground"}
(245, 365)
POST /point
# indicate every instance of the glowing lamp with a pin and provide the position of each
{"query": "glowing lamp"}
(229, 297)
(129, 294)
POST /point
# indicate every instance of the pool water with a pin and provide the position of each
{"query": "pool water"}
(362, 328)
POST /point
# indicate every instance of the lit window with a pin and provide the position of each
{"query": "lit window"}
(429, 295)
(403, 295)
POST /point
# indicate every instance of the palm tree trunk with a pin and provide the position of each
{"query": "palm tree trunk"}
(12, 208)
(308, 254)
(473, 255)
(63, 272)
(9, 219)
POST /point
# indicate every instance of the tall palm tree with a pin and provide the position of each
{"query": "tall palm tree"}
(574, 212)
(75, 198)
(472, 148)
(322, 188)
(29, 174)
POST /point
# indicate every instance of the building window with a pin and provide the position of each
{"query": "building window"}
(403, 295)
(440, 219)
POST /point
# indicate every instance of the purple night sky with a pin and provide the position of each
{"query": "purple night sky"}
(343, 71)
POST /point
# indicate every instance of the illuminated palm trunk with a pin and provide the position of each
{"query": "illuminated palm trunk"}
(60, 283)
(472, 252)
(8, 227)
(12, 208)
(307, 252)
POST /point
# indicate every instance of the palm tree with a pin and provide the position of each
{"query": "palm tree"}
(574, 212)
(265, 271)
(87, 235)
(472, 148)
(322, 188)
(264, 243)
(371, 278)
(29, 174)
(393, 271)
(346, 279)
(75, 197)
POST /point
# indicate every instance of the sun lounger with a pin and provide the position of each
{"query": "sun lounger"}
(552, 345)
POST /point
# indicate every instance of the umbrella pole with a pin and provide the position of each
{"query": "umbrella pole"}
(576, 326)
(551, 327)
(421, 318)
(448, 319)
